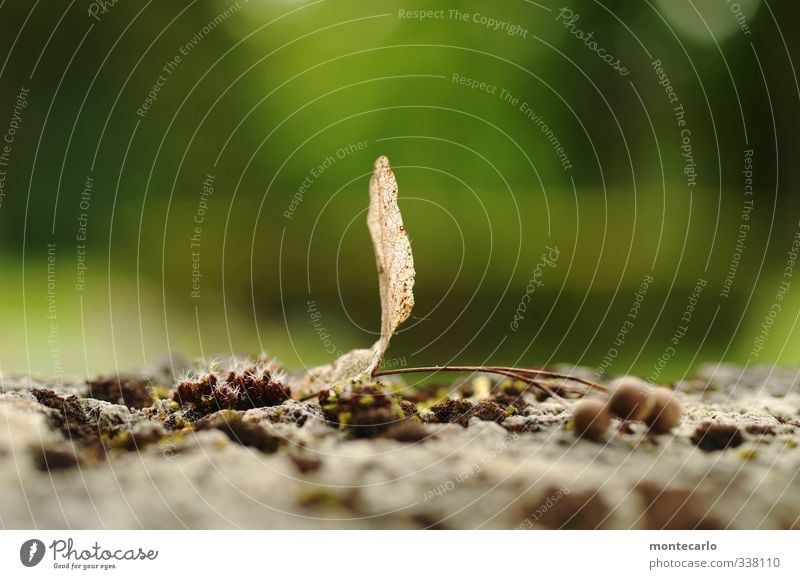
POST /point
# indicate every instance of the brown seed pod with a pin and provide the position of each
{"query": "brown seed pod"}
(666, 412)
(631, 398)
(591, 418)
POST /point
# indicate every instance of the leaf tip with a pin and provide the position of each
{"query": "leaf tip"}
(382, 163)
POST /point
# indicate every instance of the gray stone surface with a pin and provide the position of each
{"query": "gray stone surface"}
(482, 476)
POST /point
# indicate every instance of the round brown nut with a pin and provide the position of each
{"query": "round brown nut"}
(591, 418)
(666, 412)
(631, 398)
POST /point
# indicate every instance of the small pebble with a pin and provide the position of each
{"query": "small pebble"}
(630, 398)
(591, 418)
(666, 412)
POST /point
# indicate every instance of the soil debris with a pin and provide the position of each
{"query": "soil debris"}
(364, 410)
(129, 391)
(711, 436)
(241, 431)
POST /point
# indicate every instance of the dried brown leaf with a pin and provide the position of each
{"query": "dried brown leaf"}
(395, 264)
(393, 256)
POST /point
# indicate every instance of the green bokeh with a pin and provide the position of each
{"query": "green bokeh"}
(272, 91)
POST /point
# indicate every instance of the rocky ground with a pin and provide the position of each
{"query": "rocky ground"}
(146, 451)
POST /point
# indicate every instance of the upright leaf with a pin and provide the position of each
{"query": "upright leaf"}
(395, 264)
(393, 256)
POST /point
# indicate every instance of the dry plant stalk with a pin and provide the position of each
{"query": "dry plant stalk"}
(395, 264)
(396, 274)
(393, 257)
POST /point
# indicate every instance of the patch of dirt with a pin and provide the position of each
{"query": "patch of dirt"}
(677, 509)
(363, 410)
(51, 458)
(459, 411)
(242, 431)
(306, 464)
(126, 390)
(407, 431)
(711, 436)
(453, 410)
(760, 429)
(555, 509)
(70, 419)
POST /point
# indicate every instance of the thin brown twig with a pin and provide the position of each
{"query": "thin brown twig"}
(557, 375)
(307, 397)
(525, 375)
(502, 370)
(530, 382)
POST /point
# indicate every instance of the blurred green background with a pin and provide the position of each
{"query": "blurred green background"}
(250, 168)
